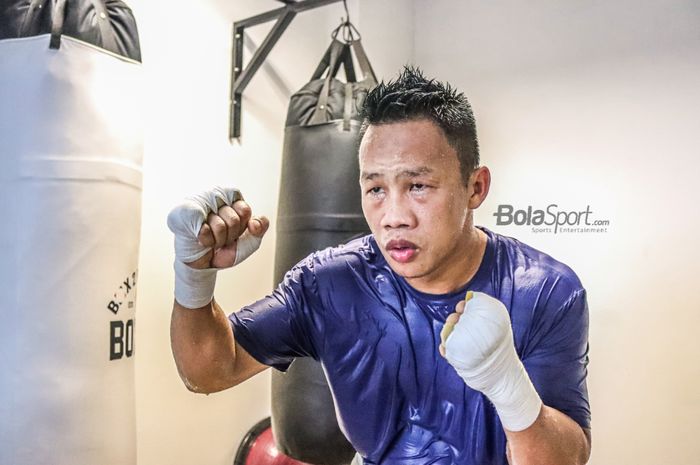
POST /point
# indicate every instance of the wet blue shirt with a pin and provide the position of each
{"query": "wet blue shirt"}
(377, 338)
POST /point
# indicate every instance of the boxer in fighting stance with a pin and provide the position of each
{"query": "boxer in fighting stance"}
(419, 373)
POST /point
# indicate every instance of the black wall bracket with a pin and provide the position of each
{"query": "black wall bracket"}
(240, 76)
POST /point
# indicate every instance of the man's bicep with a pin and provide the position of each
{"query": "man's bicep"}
(283, 325)
(246, 366)
(272, 331)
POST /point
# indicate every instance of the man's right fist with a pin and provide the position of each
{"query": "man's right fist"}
(213, 230)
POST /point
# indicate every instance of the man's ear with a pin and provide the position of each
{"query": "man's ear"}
(479, 184)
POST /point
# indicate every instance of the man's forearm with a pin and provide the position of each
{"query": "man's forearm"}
(553, 439)
(214, 230)
(203, 347)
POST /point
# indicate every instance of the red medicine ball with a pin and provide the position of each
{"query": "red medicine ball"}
(258, 448)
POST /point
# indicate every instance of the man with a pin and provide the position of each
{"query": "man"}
(506, 379)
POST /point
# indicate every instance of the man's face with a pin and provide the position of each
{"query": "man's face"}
(414, 198)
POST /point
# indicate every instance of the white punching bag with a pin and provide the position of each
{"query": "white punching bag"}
(70, 203)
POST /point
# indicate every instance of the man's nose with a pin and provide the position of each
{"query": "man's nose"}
(397, 213)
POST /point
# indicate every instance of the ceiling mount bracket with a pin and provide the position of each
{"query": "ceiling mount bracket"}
(240, 75)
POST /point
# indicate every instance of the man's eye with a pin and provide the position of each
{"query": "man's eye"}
(418, 187)
(374, 190)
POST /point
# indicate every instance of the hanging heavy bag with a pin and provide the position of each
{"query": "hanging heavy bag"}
(70, 202)
(319, 206)
(108, 24)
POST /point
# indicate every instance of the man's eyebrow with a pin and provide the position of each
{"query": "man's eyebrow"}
(369, 176)
(414, 173)
(410, 173)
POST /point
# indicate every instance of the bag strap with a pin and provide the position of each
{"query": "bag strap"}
(320, 115)
(347, 110)
(348, 65)
(369, 78)
(331, 60)
(352, 36)
(337, 51)
(57, 19)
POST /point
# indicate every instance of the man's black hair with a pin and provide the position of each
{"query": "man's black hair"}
(413, 97)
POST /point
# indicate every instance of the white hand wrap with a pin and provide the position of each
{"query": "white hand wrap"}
(247, 244)
(195, 288)
(481, 350)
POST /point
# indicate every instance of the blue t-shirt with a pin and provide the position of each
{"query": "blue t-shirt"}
(398, 400)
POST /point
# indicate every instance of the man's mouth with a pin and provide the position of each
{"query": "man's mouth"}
(401, 250)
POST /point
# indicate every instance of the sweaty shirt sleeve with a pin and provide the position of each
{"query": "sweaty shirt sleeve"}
(280, 327)
(558, 363)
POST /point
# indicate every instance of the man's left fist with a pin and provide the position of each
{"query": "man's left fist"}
(477, 341)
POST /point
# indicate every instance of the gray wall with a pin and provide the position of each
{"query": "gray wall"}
(577, 103)
(595, 103)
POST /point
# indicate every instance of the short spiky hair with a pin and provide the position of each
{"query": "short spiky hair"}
(411, 97)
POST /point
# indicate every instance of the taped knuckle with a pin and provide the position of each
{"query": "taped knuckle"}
(244, 213)
(243, 209)
(226, 212)
(453, 351)
(218, 227)
(234, 222)
(205, 236)
(185, 219)
(212, 200)
(231, 194)
(229, 216)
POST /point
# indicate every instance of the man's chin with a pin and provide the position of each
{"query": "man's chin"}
(407, 270)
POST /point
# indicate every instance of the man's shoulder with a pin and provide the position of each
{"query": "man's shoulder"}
(541, 292)
(357, 252)
(334, 271)
(531, 264)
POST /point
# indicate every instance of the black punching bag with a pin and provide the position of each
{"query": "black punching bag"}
(319, 206)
